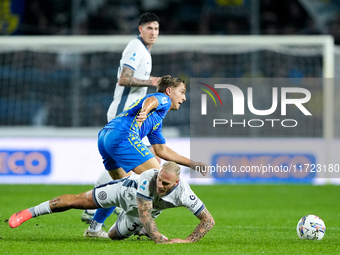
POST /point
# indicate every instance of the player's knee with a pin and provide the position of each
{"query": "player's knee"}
(113, 234)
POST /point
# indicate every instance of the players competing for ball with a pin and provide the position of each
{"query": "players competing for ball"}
(120, 141)
(142, 198)
(133, 80)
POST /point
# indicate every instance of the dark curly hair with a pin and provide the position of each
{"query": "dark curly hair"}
(148, 17)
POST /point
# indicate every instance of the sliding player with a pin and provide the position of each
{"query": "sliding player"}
(142, 199)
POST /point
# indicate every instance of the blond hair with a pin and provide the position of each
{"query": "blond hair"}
(171, 167)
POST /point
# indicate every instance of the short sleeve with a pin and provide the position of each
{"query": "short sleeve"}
(143, 190)
(164, 102)
(133, 54)
(191, 201)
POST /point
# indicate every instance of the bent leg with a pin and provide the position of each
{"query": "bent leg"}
(124, 227)
(113, 234)
(118, 173)
(149, 164)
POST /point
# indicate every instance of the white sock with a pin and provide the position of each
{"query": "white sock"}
(95, 226)
(43, 208)
(91, 211)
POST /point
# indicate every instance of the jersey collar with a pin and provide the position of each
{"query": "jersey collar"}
(140, 39)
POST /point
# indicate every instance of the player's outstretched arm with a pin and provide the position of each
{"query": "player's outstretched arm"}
(168, 154)
(207, 222)
(144, 212)
(128, 80)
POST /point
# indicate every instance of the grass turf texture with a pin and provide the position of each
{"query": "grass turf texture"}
(250, 219)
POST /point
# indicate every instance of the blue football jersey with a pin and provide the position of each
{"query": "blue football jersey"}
(151, 127)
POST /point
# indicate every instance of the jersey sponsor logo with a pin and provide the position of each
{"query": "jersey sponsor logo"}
(194, 204)
(164, 100)
(102, 195)
(192, 197)
(133, 58)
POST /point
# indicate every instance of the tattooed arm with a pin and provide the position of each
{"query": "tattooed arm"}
(127, 79)
(144, 212)
(207, 222)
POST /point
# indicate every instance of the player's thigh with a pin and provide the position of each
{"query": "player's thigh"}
(149, 164)
(146, 142)
(125, 226)
(119, 173)
(106, 195)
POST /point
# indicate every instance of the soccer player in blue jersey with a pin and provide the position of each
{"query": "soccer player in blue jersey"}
(120, 141)
(133, 79)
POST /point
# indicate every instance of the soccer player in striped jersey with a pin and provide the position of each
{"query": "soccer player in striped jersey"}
(142, 198)
(135, 67)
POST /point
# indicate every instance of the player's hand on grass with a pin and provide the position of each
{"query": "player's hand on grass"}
(199, 167)
(177, 240)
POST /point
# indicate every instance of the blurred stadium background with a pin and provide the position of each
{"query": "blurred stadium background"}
(59, 59)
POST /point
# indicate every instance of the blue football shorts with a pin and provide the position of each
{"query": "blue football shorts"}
(122, 149)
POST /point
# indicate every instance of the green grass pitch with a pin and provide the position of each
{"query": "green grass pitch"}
(250, 219)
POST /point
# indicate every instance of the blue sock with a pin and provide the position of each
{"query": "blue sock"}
(102, 213)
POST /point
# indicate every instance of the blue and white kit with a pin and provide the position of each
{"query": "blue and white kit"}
(137, 57)
(123, 193)
(120, 141)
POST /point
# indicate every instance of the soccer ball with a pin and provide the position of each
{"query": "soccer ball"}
(311, 227)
